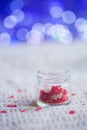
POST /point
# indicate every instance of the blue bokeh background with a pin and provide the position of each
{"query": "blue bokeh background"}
(25, 20)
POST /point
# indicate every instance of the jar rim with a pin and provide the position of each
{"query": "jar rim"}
(53, 72)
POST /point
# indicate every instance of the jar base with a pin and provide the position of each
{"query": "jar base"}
(43, 104)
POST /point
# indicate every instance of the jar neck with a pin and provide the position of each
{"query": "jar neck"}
(53, 78)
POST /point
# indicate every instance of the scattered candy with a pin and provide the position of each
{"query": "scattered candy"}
(4, 111)
(19, 90)
(72, 112)
(11, 96)
(57, 95)
(23, 110)
(85, 92)
(11, 105)
(73, 94)
(65, 92)
(38, 108)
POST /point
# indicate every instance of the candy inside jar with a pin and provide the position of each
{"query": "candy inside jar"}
(53, 87)
(56, 95)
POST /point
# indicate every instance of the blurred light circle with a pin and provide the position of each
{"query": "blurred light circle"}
(38, 26)
(79, 22)
(16, 4)
(81, 26)
(69, 17)
(5, 39)
(60, 33)
(10, 21)
(35, 37)
(46, 27)
(83, 35)
(21, 34)
(56, 11)
(82, 30)
(51, 30)
(19, 14)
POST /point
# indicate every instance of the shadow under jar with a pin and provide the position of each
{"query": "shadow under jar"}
(53, 87)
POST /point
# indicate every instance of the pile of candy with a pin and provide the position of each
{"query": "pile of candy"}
(56, 95)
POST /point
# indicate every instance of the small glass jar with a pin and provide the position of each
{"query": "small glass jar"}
(53, 87)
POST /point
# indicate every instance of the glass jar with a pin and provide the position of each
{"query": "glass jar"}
(53, 87)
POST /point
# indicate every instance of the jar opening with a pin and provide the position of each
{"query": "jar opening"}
(53, 72)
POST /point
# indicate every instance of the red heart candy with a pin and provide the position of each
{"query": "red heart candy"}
(65, 92)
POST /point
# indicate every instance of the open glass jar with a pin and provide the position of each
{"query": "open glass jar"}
(53, 87)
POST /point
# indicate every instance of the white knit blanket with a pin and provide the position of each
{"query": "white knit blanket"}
(18, 70)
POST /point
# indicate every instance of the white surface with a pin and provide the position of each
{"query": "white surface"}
(18, 67)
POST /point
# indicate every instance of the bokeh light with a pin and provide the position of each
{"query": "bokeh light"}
(60, 33)
(35, 37)
(5, 39)
(10, 21)
(56, 21)
(19, 14)
(56, 11)
(38, 26)
(83, 35)
(16, 4)
(81, 26)
(79, 22)
(21, 34)
(46, 27)
(68, 17)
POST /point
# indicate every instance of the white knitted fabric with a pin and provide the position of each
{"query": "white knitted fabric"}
(18, 67)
